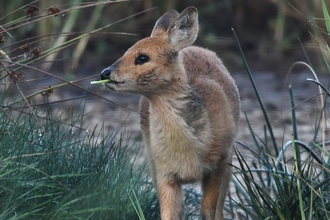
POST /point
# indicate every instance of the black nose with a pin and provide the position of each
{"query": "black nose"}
(105, 74)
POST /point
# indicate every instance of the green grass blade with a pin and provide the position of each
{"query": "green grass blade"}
(294, 125)
(136, 205)
(258, 95)
(326, 16)
(301, 203)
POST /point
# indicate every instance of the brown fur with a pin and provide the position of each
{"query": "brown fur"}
(189, 112)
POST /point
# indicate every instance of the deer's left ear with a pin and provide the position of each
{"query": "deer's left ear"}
(180, 30)
(185, 29)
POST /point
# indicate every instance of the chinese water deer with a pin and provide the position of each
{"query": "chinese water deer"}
(189, 112)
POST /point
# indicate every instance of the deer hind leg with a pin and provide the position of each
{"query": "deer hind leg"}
(215, 186)
(170, 200)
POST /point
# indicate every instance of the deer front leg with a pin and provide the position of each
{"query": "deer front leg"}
(170, 200)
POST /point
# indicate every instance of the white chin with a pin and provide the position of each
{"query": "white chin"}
(110, 86)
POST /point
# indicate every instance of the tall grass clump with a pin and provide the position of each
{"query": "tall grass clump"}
(52, 168)
(271, 183)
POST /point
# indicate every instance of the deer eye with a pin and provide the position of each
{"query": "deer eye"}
(141, 59)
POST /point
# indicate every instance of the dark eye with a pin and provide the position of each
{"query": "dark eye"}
(141, 59)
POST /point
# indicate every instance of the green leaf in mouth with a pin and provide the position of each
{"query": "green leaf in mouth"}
(101, 81)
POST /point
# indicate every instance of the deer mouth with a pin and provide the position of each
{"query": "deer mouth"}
(115, 82)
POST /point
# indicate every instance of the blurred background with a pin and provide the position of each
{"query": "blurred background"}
(267, 29)
(77, 39)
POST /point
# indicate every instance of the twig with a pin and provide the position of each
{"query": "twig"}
(20, 91)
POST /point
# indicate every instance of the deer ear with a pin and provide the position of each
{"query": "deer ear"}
(180, 30)
(164, 24)
(185, 29)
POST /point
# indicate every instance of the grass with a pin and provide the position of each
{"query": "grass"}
(50, 170)
(278, 187)
(52, 167)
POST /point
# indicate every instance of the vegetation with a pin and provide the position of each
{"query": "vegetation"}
(54, 171)
(272, 186)
(52, 167)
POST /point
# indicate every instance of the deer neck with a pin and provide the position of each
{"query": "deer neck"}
(179, 116)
